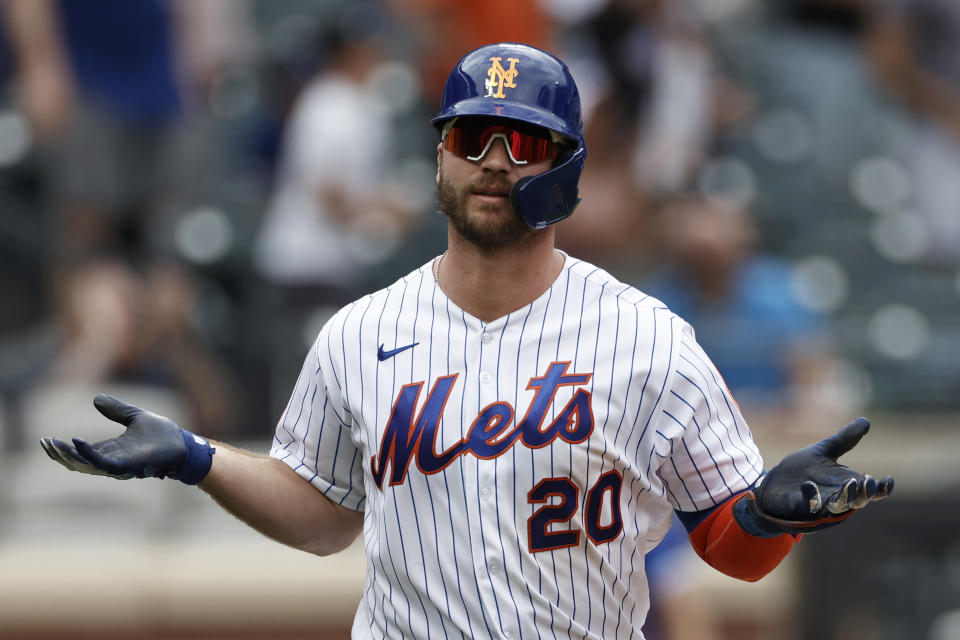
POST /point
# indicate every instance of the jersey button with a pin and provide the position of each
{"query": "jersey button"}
(486, 337)
(485, 493)
(494, 567)
(484, 376)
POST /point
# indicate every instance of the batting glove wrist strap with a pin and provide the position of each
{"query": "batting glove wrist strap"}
(199, 459)
(758, 524)
(751, 520)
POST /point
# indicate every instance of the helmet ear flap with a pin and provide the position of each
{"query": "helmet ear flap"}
(551, 196)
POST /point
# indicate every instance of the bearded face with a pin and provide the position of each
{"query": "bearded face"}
(480, 210)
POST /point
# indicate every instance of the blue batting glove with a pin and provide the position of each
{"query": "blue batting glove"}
(151, 447)
(809, 490)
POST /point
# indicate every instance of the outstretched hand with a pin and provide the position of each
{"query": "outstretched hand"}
(151, 446)
(810, 491)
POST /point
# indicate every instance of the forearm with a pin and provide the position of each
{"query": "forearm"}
(269, 496)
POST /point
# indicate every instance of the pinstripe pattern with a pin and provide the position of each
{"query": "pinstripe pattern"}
(452, 551)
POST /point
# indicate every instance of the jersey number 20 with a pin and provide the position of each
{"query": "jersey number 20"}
(605, 491)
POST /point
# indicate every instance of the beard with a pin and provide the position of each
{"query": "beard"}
(487, 228)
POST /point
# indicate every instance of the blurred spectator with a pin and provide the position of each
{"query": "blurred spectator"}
(332, 217)
(113, 91)
(107, 86)
(610, 224)
(678, 119)
(661, 74)
(329, 216)
(650, 123)
(443, 30)
(120, 325)
(774, 354)
(915, 48)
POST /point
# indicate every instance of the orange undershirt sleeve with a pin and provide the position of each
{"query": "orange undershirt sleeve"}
(726, 547)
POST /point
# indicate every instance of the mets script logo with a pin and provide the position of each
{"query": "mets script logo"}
(406, 438)
(498, 77)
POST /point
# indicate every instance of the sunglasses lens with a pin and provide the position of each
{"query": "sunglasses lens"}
(525, 147)
(472, 139)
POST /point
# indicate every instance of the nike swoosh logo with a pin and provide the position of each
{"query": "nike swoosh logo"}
(383, 354)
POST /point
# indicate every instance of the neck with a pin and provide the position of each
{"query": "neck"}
(489, 284)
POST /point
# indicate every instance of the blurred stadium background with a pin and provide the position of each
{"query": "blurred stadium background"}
(149, 151)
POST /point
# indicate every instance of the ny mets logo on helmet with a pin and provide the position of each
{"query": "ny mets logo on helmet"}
(498, 77)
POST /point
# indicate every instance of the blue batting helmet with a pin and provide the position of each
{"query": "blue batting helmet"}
(520, 82)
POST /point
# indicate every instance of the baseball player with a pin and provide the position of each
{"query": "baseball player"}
(509, 427)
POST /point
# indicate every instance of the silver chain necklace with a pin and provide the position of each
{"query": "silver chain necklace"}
(436, 271)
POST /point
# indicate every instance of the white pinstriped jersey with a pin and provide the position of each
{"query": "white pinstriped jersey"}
(512, 474)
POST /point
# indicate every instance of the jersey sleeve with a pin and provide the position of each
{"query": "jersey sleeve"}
(712, 452)
(314, 432)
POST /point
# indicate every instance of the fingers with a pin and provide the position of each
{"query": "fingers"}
(868, 489)
(858, 492)
(884, 488)
(97, 458)
(811, 497)
(844, 439)
(840, 502)
(60, 451)
(116, 410)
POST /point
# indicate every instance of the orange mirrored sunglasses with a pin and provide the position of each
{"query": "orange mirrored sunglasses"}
(472, 138)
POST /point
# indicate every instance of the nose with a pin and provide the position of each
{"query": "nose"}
(497, 157)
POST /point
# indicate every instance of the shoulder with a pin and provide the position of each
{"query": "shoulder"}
(390, 300)
(599, 284)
